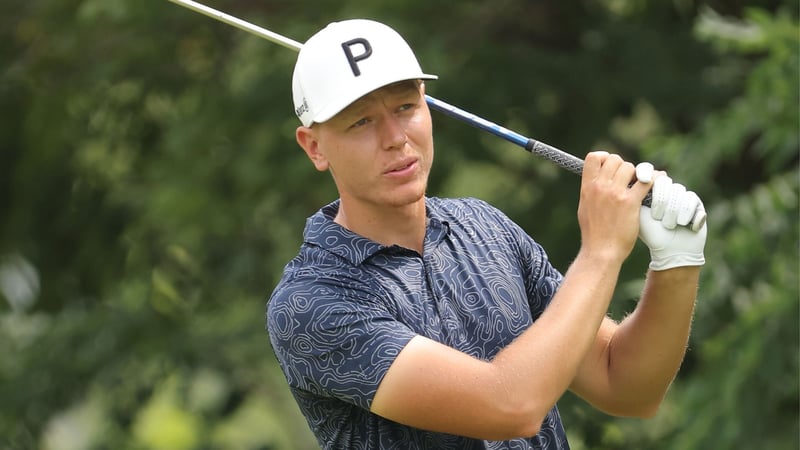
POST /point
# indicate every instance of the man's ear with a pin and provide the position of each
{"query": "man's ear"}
(307, 140)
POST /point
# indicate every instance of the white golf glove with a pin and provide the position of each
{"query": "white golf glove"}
(673, 227)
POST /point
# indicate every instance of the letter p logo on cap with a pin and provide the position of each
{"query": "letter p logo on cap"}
(354, 59)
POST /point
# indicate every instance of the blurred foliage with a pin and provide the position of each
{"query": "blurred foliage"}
(151, 192)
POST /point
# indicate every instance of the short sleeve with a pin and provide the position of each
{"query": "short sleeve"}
(334, 337)
(543, 287)
(542, 280)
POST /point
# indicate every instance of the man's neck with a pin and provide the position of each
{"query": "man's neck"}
(403, 226)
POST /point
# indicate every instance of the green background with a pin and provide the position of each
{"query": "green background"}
(151, 191)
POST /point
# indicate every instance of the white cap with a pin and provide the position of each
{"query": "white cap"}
(345, 61)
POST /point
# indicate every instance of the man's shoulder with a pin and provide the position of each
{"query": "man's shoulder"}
(318, 273)
(315, 265)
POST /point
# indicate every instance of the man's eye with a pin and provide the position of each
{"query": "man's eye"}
(360, 122)
(406, 107)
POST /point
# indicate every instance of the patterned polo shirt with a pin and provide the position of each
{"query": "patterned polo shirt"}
(346, 306)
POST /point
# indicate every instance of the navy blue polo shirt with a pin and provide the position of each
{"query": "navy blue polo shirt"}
(346, 306)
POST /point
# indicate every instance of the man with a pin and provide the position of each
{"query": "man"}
(413, 322)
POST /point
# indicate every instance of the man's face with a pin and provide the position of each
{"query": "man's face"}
(379, 149)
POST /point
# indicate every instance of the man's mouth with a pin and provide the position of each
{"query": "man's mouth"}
(402, 167)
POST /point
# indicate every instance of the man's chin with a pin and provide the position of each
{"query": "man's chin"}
(406, 198)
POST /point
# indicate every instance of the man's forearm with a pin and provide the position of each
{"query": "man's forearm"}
(542, 362)
(649, 345)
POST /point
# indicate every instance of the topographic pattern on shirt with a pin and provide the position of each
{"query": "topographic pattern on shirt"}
(346, 306)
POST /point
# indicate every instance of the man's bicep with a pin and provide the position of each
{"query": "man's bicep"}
(434, 387)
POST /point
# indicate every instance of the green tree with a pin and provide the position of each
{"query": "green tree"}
(151, 192)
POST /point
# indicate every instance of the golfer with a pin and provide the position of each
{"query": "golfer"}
(415, 322)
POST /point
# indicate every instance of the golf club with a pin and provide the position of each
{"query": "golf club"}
(555, 155)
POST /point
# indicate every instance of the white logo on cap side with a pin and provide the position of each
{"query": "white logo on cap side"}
(302, 109)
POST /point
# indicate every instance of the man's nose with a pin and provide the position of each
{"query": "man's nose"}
(393, 132)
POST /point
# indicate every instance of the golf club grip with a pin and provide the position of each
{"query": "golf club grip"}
(566, 161)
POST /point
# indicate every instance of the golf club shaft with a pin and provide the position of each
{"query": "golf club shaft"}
(276, 38)
(559, 157)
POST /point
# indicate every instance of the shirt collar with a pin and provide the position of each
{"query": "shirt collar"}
(323, 232)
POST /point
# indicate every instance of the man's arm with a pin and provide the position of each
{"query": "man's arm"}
(434, 387)
(623, 369)
(632, 365)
